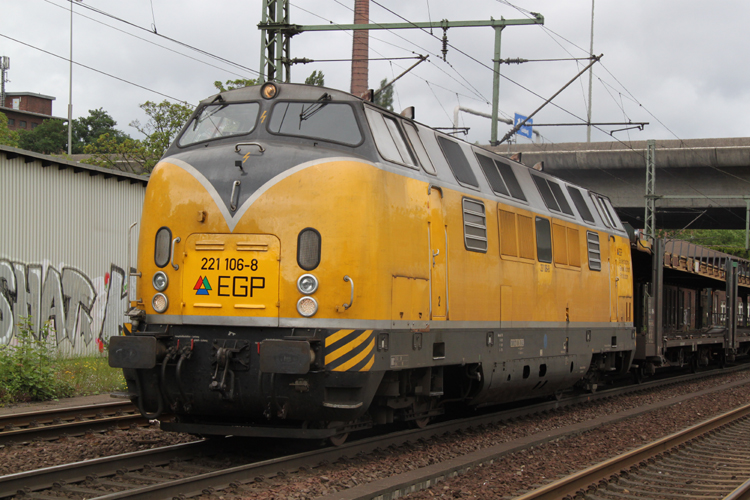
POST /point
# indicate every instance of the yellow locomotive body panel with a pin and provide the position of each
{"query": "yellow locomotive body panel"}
(379, 236)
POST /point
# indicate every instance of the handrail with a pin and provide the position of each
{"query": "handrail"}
(351, 299)
(261, 149)
(130, 235)
(232, 204)
(171, 258)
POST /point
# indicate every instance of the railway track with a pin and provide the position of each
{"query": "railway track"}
(708, 460)
(51, 424)
(191, 469)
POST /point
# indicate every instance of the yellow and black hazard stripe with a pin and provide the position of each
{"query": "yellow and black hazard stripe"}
(350, 350)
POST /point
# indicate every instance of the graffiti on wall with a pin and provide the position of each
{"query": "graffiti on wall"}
(79, 309)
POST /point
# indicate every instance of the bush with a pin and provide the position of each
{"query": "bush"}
(27, 369)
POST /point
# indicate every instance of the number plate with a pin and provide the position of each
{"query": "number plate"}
(231, 275)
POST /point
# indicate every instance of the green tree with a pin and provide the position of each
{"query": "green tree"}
(165, 120)
(315, 78)
(129, 155)
(8, 137)
(50, 137)
(723, 240)
(384, 96)
(88, 129)
(235, 84)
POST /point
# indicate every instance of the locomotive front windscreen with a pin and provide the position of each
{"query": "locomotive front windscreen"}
(221, 120)
(320, 119)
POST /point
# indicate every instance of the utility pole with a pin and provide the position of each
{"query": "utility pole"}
(275, 41)
(591, 74)
(360, 49)
(4, 67)
(649, 217)
(70, 88)
(277, 32)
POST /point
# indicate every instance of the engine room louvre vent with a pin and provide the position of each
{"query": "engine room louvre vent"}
(475, 226)
(308, 249)
(595, 257)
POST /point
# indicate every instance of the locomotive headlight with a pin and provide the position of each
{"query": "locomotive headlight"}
(160, 281)
(269, 90)
(307, 284)
(307, 306)
(160, 302)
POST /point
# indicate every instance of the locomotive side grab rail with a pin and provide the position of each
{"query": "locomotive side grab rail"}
(351, 299)
(171, 258)
(232, 203)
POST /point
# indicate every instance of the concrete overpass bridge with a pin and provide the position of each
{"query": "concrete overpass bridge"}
(700, 183)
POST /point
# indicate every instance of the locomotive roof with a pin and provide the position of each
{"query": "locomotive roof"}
(538, 191)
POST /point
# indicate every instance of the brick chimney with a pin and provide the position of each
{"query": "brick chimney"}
(360, 48)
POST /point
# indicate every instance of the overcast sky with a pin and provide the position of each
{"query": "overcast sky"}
(680, 65)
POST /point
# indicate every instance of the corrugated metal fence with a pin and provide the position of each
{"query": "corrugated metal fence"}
(63, 246)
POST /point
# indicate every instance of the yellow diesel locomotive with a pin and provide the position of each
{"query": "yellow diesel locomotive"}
(310, 264)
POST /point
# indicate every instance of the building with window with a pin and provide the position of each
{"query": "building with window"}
(26, 110)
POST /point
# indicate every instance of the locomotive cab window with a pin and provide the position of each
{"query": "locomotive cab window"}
(475, 225)
(216, 121)
(390, 140)
(457, 162)
(418, 145)
(321, 119)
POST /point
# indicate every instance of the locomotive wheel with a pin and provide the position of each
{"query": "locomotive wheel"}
(338, 439)
(420, 407)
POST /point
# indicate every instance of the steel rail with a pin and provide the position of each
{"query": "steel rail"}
(220, 479)
(54, 422)
(582, 480)
(40, 479)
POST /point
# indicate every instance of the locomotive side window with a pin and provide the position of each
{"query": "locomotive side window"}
(321, 119)
(543, 240)
(458, 162)
(475, 225)
(221, 120)
(419, 148)
(510, 180)
(580, 204)
(606, 211)
(552, 195)
(492, 174)
(595, 256)
(389, 139)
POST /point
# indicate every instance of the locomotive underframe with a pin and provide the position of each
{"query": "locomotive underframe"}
(217, 380)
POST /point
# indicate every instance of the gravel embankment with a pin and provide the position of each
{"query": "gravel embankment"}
(505, 477)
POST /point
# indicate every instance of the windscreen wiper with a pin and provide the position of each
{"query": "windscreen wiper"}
(314, 107)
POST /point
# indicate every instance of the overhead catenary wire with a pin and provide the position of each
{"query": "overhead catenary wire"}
(173, 40)
(181, 101)
(148, 41)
